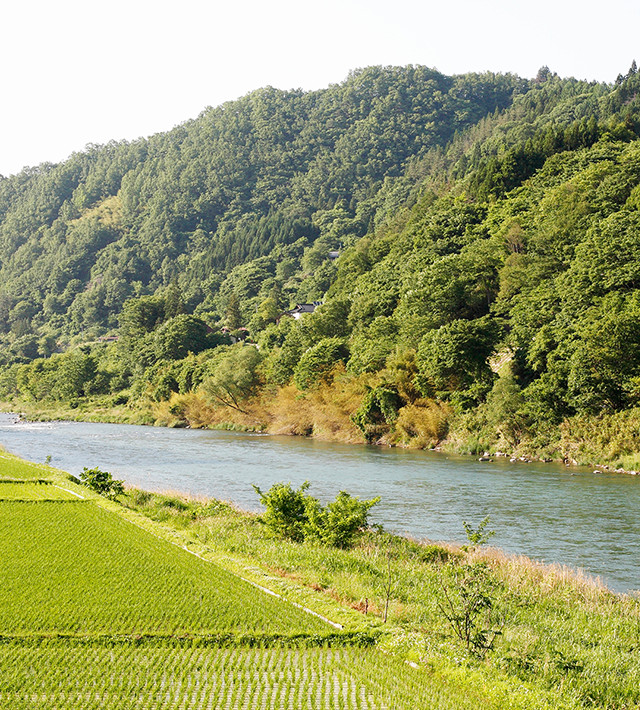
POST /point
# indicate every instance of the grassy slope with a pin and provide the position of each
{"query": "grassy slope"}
(96, 612)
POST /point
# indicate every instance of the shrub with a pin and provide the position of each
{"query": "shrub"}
(470, 603)
(377, 412)
(286, 513)
(102, 482)
(338, 523)
(296, 515)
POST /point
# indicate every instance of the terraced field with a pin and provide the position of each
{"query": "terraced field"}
(14, 468)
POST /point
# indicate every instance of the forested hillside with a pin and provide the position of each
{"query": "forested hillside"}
(472, 239)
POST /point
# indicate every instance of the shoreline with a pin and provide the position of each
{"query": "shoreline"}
(538, 552)
(573, 575)
(144, 419)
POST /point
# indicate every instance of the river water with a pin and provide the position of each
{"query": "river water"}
(548, 512)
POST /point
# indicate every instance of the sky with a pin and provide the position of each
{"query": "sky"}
(76, 72)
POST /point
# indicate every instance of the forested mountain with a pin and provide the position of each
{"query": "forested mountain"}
(487, 228)
(266, 171)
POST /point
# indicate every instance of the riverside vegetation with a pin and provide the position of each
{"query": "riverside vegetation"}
(473, 241)
(92, 583)
(542, 636)
(103, 605)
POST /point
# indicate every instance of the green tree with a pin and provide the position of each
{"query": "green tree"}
(180, 335)
(455, 357)
(318, 362)
(235, 376)
(233, 316)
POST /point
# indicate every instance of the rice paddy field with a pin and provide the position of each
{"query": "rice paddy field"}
(98, 612)
(29, 491)
(70, 566)
(53, 676)
(105, 605)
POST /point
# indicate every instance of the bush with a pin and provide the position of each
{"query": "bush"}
(338, 523)
(377, 412)
(296, 515)
(287, 509)
(102, 482)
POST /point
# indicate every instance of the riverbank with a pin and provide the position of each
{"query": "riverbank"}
(564, 642)
(608, 443)
(563, 639)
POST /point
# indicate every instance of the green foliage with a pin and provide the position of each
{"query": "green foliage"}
(102, 482)
(455, 357)
(180, 335)
(239, 184)
(296, 515)
(285, 343)
(377, 412)
(469, 603)
(338, 523)
(479, 535)
(470, 600)
(140, 316)
(505, 410)
(468, 215)
(371, 346)
(318, 362)
(234, 375)
(286, 509)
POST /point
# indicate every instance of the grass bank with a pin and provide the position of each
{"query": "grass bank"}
(564, 640)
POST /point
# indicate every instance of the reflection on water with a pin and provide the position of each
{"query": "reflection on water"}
(546, 511)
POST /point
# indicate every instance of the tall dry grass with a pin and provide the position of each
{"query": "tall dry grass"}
(323, 412)
(421, 425)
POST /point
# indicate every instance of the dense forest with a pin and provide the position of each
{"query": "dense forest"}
(470, 244)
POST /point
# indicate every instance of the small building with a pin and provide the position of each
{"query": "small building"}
(302, 308)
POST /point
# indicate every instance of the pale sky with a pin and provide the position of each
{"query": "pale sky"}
(79, 71)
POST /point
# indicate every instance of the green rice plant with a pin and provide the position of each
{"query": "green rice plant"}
(69, 567)
(54, 675)
(15, 468)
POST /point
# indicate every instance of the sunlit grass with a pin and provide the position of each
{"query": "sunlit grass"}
(565, 634)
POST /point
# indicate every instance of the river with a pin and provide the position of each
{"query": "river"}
(548, 512)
